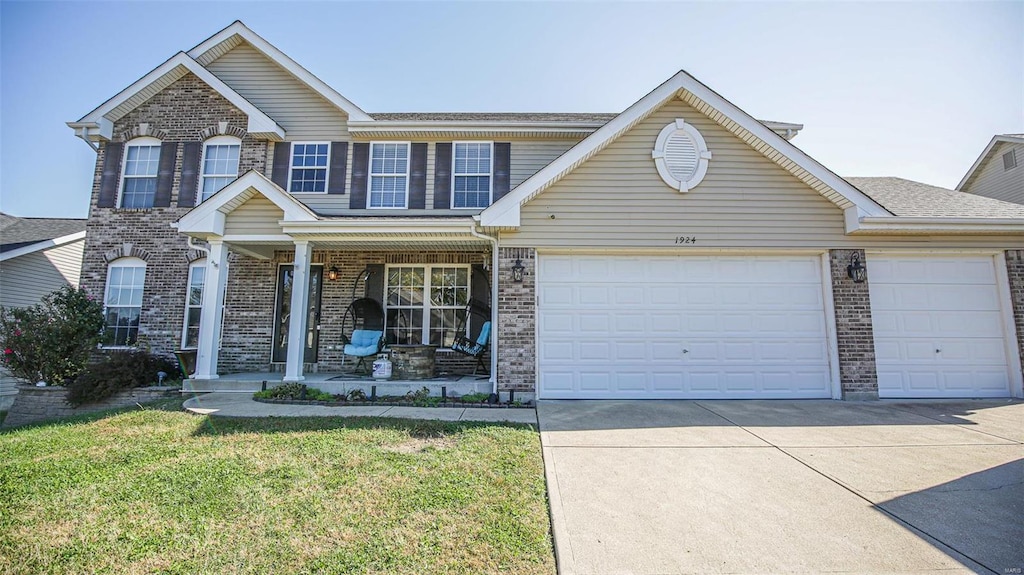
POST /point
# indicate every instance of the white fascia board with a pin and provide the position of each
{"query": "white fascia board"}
(996, 140)
(42, 245)
(382, 226)
(259, 123)
(204, 217)
(912, 225)
(101, 129)
(505, 212)
(281, 59)
(386, 126)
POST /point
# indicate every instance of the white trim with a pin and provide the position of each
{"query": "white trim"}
(260, 125)
(490, 174)
(209, 217)
(427, 307)
(124, 262)
(912, 225)
(505, 212)
(298, 323)
(831, 330)
(370, 174)
(1009, 326)
(41, 245)
(222, 140)
(281, 59)
(138, 142)
(998, 139)
(701, 147)
(326, 168)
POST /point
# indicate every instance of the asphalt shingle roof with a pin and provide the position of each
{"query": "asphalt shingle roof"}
(18, 232)
(490, 117)
(913, 199)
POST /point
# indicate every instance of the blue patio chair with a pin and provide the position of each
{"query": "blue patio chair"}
(363, 344)
(477, 348)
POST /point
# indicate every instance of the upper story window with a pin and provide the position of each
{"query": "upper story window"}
(389, 174)
(141, 163)
(472, 174)
(308, 172)
(126, 278)
(220, 164)
(1009, 160)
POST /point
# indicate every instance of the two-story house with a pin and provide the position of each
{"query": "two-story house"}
(678, 249)
(999, 170)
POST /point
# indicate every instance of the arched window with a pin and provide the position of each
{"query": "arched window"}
(220, 164)
(139, 172)
(195, 291)
(126, 278)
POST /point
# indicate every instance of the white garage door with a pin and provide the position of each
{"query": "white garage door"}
(681, 327)
(938, 327)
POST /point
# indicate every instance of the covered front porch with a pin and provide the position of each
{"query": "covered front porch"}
(266, 254)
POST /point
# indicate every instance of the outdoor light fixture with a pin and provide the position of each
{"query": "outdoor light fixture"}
(856, 270)
(517, 271)
(332, 274)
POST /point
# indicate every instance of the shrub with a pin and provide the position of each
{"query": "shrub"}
(474, 398)
(51, 341)
(119, 370)
(294, 391)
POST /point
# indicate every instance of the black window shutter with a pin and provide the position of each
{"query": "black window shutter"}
(480, 292)
(443, 176)
(282, 157)
(418, 176)
(374, 287)
(360, 171)
(502, 163)
(111, 170)
(165, 174)
(190, 155)
(339, 167)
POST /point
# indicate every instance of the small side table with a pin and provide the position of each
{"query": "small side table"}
(412, 361)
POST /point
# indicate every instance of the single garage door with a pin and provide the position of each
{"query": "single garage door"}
(646, 327)
(938, 325)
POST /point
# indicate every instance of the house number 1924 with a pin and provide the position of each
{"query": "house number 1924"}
(686, 239)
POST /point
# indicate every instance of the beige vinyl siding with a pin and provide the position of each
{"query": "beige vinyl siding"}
(304, 114)
(618, 200)
(994, 182)
(257, 216)
(528, 157)
(25, 280)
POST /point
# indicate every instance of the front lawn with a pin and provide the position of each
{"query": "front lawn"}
(163, 491)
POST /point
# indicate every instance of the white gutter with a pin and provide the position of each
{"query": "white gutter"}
(924, 225)
(494, 303)
(41, 245)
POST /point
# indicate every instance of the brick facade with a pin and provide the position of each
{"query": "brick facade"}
(854, 334)
(182, 112)
(517, 321)
(1015, 275)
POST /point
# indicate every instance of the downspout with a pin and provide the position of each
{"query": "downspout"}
(198, 248)
(494, 303)
(85, 138)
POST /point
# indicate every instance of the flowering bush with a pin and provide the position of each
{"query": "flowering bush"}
(51, 341)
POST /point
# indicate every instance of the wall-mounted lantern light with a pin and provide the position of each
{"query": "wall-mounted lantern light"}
(856, 270)
(517, 271)
(332, 274)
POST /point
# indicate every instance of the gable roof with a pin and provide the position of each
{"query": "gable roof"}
(907, 198)
(505, 212)
(18, 232)
(986, 154)
(99, 123)
(209, 217)
(220, 43)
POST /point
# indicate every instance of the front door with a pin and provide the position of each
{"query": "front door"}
(282, 313)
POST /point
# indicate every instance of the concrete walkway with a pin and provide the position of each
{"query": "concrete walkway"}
(242, 405)
(785, 486)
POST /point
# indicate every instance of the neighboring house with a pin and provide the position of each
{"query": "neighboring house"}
(37, 256)
(679, 249)
(999, 170)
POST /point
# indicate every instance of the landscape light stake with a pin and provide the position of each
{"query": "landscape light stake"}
(373, 393)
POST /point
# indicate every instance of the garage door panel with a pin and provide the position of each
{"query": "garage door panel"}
(682, 327)
(938, 326)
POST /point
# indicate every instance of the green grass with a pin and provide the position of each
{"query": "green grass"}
(160, 491)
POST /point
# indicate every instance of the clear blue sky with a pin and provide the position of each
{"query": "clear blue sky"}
(911, 89)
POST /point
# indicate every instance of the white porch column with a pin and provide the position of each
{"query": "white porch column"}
(211, 311)
(299, 310)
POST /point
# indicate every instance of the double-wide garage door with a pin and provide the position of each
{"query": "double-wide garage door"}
(940, 327)
(681, 327)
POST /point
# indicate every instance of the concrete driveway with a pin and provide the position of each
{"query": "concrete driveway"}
(785, 486)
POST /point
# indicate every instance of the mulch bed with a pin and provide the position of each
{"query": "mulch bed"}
(528, 405)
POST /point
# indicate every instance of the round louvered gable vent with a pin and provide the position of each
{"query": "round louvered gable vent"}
(681, 156)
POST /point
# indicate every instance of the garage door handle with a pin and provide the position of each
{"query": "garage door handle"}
(686, 351)
(938, 351)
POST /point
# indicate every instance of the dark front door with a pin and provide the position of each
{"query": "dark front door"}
(282, 314)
